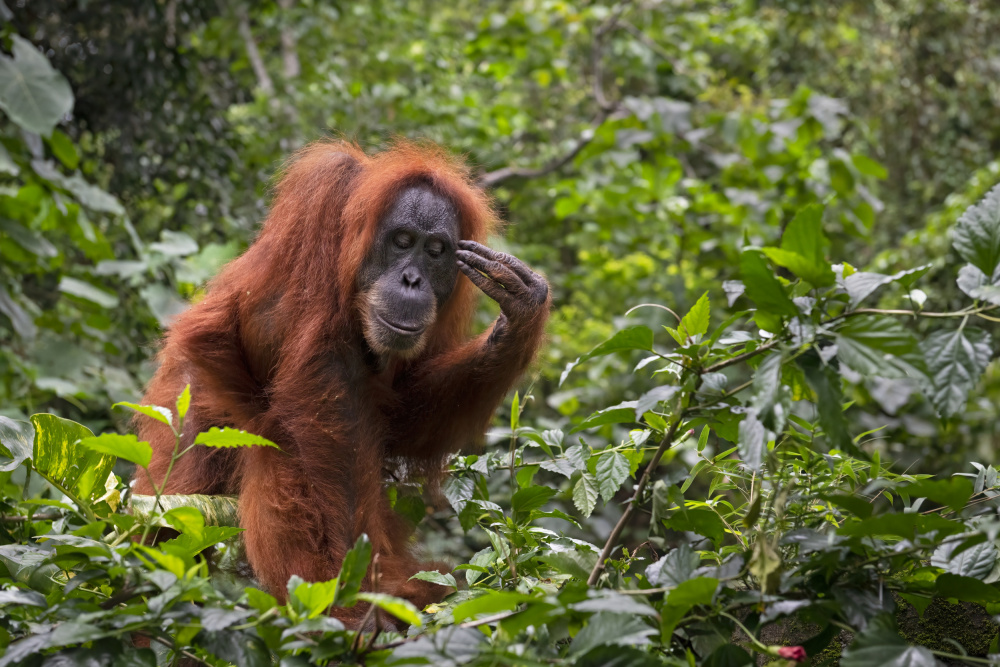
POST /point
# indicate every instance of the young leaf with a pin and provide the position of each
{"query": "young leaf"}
(762, 287)
(695, 323)
(184, 401)
(231, 437)
(976, 235)
(585, 494)
(955, 360)
(162, 415)
(612, 470)
(126, 447)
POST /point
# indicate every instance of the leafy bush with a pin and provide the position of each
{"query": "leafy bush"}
(746, 499)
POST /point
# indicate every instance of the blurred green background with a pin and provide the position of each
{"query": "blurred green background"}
(633, 148)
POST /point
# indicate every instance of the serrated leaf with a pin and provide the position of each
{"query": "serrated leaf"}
(695, 322)
(861, 284)
(880, 346)
(585, 494)
(881, 646)
(623, 413)
(162, 415)
(676, 567)
(32, 92)
(652, 398)
(976, 284)
(632, 338)
(126, 447)
(955, 361)
(607, 628)
(612, 469)
(976, 561)
(762, 287)
(231, 437)
(976, 235)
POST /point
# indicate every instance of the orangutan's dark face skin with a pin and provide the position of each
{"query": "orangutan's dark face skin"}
(410, 272)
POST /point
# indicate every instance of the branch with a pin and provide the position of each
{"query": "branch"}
(253, 53)
(607, 107)
(289, 56)
(665, 444)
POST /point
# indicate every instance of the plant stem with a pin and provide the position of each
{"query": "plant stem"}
(665, 443)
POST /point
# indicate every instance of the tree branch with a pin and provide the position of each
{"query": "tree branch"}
(264, 81)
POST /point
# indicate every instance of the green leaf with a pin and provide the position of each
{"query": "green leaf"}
(231, 437)
(162, 415)
(126, 447)
(184, 401)
(869, 167)
(435, 577)
(975, 562)
(700, 520)
(966, 589)
(762, 287)
(955, 361)
(693, 592)
(353, 569)
(88, 292)
(585, 494)
(58, 456)
(729, 655)
(880, 346)
(398, 607)
(674, 568)
(531, 498)
(608, 628)
(313, 599)
(632, 338)
(976, 235)
(978, 285)
(490, 603)
(623, 413)
(901, 525)
(953, 492)
(880, 645)
(695, 323)
(803, 247)
(612, 469)
(752, 442)
(63, 148)
(215, 510)
(829, 400)
(32, 92)
(17, 439)
(861, 284)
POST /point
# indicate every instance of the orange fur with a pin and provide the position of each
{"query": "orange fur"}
(277, 347)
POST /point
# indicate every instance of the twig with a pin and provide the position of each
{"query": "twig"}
(606, 108)
(665, 444)
(44, 516)
(253, 53)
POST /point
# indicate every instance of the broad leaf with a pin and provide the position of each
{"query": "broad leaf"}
(976, 561)
(762, 287)
(612, 469)
(60, 458)
(126, 447)
(606, 628)
(215, 510)
(16, 441)
(585, 493)
(752, 442)
(531, 498)
(976, 235)
(880, 346)
(978, 285)
(398, 607)
(32, 92)
(955, 361)
(675, 568)
(695, 323)
(881, 646)
(623, 413)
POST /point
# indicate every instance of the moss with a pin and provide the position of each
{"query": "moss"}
(967, 624)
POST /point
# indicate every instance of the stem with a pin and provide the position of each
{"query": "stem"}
(665, 443)
(174, 456)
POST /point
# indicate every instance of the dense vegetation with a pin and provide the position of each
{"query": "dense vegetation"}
(764, 424)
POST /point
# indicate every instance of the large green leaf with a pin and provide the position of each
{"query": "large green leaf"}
(880, 346)
(216, 510)
(32, 92)
(16, 441)
(631, 338)
(126, 447)
(881, 646)
(762, 287)
(978, 285)
(606, 628)
(976, 235)
(955, 361)
(60, 458)
(861, 284)
(585, 493)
